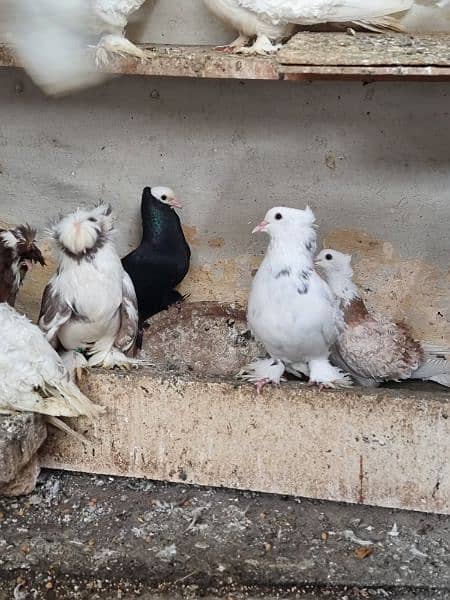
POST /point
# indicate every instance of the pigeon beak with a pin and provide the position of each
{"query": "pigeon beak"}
(261, 227)
(174, 203)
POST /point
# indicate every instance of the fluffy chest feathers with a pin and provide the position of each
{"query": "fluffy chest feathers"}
(291, 309)
(93, 288)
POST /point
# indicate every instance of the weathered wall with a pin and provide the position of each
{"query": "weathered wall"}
(373, 161)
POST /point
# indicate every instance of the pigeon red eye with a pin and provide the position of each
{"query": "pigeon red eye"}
(278, 216)
(328, 256)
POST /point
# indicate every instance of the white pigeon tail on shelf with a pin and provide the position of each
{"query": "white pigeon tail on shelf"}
(32, 375)
(291, 310)
(375, 349)
(51, 38)
(269, 22)
(90, 304)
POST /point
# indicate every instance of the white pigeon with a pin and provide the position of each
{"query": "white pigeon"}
(114, 16)
(90, 304)
(291, 310)
(32, 375)
(374, 349)
(51, 38)
(271, 21)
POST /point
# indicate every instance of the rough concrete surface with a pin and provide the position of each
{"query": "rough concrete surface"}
(100, 537)
(382, 447)
(21, 436)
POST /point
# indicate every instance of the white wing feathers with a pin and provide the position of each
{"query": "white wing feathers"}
(32, 375)
(305, 12)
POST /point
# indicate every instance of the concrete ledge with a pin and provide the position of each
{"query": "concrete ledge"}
(20, 438)
(385, 447)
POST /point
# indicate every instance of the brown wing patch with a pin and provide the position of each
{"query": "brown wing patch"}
(379, 349)
(356, 312)
(127, 334)
(53, 314)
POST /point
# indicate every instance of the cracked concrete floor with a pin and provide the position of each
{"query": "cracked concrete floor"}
(83, 536)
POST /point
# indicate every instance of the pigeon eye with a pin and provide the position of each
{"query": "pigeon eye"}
(92, 219)
(328, 256)
(163, 197)
(278, 216)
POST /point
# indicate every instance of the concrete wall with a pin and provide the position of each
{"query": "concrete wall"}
(373, 161)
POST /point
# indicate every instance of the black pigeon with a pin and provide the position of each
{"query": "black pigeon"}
(161, 261)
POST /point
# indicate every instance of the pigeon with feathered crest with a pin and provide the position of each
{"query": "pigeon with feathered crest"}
(291, 309)
(371, 348)
(18, 254)
(90, 304)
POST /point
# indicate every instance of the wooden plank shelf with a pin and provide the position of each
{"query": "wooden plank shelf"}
(308, 55)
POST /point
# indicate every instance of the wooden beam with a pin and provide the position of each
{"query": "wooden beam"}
(306, 56)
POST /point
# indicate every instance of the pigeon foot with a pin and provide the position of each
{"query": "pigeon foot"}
(262, 372)
(235, 46)
(326, 376)
(261, 47)
(111, 46)
(76, 364)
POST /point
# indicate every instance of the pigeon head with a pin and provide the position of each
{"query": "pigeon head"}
(83, 232)
(281, 221)
(290, 226)
(22, 241)
(164, 195)
(27, 251)
(337, 269)
(334, 262)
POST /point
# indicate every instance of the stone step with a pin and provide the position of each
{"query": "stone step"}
(385, 447)
(21, 436)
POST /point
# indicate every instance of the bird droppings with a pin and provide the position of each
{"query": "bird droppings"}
(136, 539)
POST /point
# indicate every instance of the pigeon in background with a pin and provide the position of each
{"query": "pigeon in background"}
(33, 376)
(51, 38)
(18, 254)
(291, 310)
(161, 261)
(372, 349)
(90, 304)
(272, 21)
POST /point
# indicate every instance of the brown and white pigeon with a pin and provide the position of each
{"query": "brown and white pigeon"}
(18, 254)
(374, 349)
(90, 304)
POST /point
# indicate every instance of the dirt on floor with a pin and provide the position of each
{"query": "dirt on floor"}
(83, 536)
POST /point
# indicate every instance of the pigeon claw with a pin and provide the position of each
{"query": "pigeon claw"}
(79, 372)
(261, 384)
(225, 49)
(328, 385)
